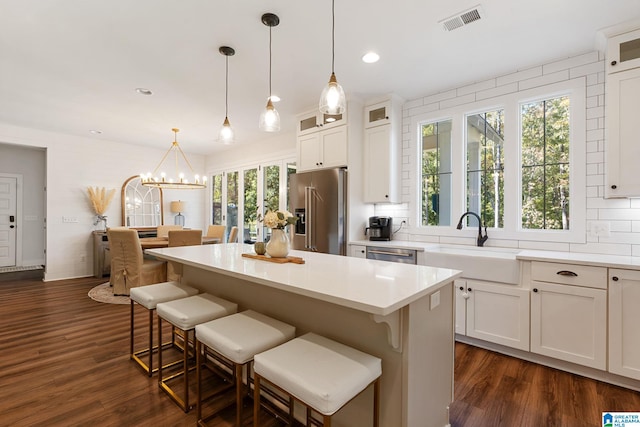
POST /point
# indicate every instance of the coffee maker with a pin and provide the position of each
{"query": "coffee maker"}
(379, 228)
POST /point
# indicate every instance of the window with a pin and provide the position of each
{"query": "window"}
(545, 164)
(216, 197)
(485, 168)
(436, 173)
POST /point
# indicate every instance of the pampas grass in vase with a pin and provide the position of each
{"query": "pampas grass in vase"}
(100, 200)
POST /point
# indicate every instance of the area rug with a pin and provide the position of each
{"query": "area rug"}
(104, 293)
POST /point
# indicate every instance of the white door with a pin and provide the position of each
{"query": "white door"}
(8, 221)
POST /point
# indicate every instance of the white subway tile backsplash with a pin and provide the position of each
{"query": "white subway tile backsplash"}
(476, 87)
(437, 97)
(585, 70)
(571, 62)
(460, 100)
(623, 214)
(545, 79)
(601, 248)
(498, 91)
(519, 75)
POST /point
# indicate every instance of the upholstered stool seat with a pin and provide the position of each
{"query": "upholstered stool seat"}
(148, 297)
(185, 314)
(321, 373)
(237, 338)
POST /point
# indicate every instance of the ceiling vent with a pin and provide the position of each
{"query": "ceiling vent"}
(463, 18)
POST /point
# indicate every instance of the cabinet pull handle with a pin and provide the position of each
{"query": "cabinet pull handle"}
(613, 187)
(566, 273)
(614, 62)
(535, 290)
(614, 278)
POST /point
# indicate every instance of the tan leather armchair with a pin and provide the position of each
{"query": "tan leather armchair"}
(181, 238)
(163, 230)
(233, 235)
(216, 231)
(129, 268)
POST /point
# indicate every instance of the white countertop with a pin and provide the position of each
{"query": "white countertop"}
(602, 260)
(375, 287)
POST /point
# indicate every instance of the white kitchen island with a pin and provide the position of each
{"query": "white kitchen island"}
(403, 314)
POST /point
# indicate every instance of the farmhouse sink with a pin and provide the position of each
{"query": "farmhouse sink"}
(482, 263)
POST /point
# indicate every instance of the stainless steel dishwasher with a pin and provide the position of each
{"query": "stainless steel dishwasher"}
(404, 256)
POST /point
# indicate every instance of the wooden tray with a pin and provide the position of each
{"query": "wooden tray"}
(293, 259)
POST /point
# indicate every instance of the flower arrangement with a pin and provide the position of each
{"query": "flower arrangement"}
(277, 219)
(100, 200)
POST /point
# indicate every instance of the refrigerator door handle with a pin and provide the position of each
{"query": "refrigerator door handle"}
(309, 217)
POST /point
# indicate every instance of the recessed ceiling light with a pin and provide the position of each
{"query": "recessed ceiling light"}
(143, 91)
(275, 98)
(370, 57)
(95, 131)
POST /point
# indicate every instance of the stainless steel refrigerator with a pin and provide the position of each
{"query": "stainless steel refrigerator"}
(319, 200)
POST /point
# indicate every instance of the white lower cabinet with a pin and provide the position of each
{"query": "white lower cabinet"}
(358, 251)
(624, 318)
(493, 312)
(569, 323)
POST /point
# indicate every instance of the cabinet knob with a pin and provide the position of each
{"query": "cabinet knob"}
(362, 251)
(386, 117)
(386, 196)
(462, 288)
(469, 289)
(614, 187)
(615, 278)
(614, 62)
(535, 290)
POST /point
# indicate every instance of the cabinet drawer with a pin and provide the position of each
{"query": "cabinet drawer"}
(569, 274)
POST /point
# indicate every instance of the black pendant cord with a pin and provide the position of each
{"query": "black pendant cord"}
(270, 63)
(333, 36)
(226, 89)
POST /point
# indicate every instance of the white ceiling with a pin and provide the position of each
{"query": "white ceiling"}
(72, 66)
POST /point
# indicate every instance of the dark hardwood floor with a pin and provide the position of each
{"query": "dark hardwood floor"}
(64, 362)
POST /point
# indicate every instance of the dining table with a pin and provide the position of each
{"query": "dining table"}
(163, 242)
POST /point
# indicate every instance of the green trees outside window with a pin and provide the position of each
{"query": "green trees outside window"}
(545, 164)
(436, 173)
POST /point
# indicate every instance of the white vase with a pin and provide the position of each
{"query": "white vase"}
(278, 246)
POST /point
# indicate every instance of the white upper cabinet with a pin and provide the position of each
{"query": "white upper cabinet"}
(315, 121)
(623, 52)
(322, 141)
(382, 151)
(622, 106)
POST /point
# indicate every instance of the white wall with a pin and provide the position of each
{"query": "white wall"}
(75, 163)
(623, 215)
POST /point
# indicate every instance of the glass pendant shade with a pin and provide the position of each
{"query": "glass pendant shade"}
(226, 132)
(332, 99)
(270, 119)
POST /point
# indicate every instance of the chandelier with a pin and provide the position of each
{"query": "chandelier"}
(180, 182)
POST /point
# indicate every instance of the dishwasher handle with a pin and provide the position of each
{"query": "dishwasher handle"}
(375, 251)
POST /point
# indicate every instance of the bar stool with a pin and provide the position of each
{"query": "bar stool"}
(148, 297)
(322, 374)
(237, 338)
(184, 314)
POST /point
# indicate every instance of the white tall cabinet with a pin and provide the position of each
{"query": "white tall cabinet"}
(624, 318)
(382, 151)
(622, 106)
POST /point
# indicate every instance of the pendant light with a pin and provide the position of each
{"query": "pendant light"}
(226, 132)
(270, 119)
(332, 99)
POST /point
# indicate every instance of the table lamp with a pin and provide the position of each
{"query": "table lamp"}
(177, 207)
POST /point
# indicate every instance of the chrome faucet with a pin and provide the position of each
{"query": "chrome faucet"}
(481, 238)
